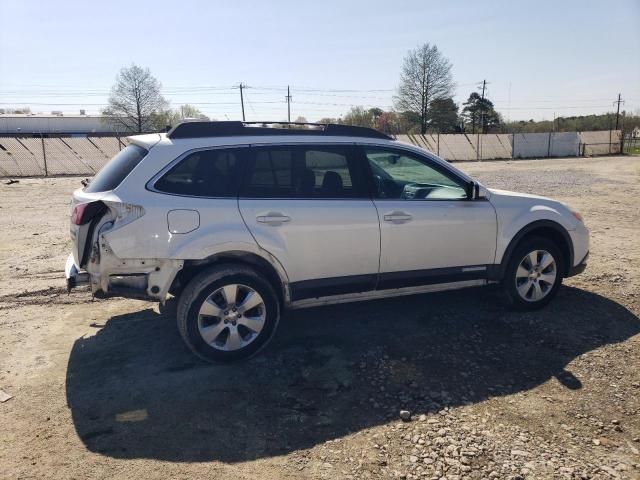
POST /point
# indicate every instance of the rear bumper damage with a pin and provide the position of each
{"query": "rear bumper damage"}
(144, 279)
(74, 277)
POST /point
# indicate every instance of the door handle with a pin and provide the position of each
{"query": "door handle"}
(397, 217)
(273, 218)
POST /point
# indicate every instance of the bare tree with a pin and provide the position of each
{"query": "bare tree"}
(135, 100)
(189, 112)
(426, 76)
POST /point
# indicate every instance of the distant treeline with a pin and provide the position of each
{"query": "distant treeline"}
(584, 123)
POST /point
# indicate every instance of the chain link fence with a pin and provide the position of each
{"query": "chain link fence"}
(43, 156)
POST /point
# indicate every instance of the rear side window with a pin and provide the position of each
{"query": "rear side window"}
(206, 173)
(304, 172)
(112, 174)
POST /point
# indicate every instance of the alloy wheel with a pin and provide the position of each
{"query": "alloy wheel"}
(536, 275)
(231, 317)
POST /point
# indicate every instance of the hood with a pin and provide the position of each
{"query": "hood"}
(508, 193)
(504, 199)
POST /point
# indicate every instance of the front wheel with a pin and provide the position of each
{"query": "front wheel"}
(533, 275)
(227, 313)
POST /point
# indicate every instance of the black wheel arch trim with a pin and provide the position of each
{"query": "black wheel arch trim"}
(497, 272)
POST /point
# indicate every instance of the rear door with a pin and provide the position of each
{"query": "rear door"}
(309, 206)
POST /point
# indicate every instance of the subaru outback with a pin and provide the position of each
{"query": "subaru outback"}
(240, 221)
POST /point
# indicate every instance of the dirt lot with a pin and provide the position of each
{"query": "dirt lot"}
(106, 388)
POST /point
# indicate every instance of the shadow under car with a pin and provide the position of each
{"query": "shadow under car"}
(135, 391)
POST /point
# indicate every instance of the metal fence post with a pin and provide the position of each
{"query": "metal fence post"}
(44, 155)
(513, 145)
(438, 144)
(609, 141)
(549, 146)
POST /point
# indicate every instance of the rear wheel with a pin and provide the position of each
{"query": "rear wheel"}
(534, 274)
(227, 313)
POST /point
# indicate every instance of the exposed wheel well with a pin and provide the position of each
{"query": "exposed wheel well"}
(193, 267)
(545, 229)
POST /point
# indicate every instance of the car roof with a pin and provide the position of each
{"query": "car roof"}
(149, 141)
(238, 133)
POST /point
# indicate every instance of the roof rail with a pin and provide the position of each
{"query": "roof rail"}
(237, 128)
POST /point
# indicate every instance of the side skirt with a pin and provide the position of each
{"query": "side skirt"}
(377, 294)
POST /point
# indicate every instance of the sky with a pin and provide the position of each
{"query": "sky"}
(540, 59)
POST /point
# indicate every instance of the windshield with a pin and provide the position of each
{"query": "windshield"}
(116, 169)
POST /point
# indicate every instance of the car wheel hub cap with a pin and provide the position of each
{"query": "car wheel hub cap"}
(231, 317)
(536, 275)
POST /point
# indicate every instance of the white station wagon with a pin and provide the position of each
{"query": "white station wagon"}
(241, 220)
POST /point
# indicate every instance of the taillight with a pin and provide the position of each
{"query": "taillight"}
(85, 212)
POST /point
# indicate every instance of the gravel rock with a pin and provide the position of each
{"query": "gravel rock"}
(405, 415)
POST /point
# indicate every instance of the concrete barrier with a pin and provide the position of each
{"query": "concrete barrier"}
(600, 143)
(495, 146)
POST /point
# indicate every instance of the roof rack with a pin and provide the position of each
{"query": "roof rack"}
(237, 128)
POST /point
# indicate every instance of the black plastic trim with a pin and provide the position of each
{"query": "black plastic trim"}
(324, 287)
(578, 269)
(236, 128)
(96, 215)
(430, 276)
(498, 272)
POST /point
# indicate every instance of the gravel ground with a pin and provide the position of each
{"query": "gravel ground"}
(446, 385)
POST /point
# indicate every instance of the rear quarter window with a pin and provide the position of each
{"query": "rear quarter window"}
(205, 173)
(116, 169)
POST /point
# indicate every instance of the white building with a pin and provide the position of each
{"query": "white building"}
(53, 123)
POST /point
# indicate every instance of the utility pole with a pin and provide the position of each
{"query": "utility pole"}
(242, 101)
(288, 97)
(618, 112)
(478, 154)
(484, 84)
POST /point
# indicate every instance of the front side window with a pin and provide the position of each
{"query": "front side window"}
(401, 175)
(205, 173)
(304, 172)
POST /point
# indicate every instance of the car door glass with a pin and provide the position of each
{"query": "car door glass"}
(400, 175)
(305, 172)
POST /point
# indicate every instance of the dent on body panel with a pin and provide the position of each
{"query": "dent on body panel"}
(146, 237)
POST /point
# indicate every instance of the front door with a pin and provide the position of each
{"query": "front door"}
(430, 231)
(309, 206)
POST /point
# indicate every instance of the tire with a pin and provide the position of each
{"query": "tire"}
(537, 287)
(221, 330)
